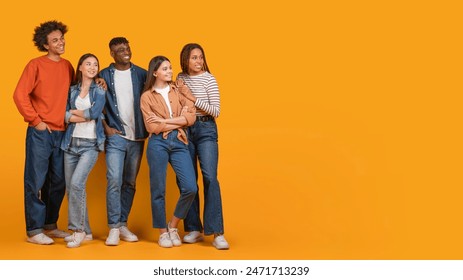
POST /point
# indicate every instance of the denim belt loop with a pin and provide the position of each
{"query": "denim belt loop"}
(204, 118)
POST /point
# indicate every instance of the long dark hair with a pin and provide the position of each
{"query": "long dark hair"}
(185, 57)
(153, 66)
(78, 78)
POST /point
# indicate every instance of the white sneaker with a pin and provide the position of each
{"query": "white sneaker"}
(164, 240)
(193, 237)
(76, 239)
(174, 237)
(220, 243)
(127, 235)
(113, 237)
(56, 233)
(40, 239)
(88, 237)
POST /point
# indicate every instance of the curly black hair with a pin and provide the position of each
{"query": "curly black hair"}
(41, 32)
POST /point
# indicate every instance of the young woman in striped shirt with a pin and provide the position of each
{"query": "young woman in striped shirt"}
(203, 144)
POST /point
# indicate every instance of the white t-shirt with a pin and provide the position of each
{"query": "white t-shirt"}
(124, 94)
(164, 92)
(84, 129)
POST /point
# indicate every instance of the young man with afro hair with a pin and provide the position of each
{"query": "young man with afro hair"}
(40, 97)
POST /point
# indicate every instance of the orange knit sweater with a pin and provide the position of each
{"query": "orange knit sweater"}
(42, 91)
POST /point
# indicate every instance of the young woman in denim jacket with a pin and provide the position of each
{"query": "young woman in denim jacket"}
(166, 114)
(203, 138)
(83, 140)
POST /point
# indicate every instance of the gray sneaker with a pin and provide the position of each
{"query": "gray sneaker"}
(193, 237)
(88, 237)
(164, 240)
(40, 239)
(220, 243)
(174, 237)
(113, 237)
(127, 235)
(56, 233)
(76, 239)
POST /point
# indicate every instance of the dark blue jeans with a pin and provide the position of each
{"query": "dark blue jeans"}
(203, 146)
(160, 152)
(44, 184)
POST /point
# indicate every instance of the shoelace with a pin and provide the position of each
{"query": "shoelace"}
(165, 235)
(174, 232)
(73, 239)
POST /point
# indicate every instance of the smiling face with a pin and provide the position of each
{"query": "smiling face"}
(196, 62)
(89, 68)
(164, 73)
(55, 43)
(122, 55)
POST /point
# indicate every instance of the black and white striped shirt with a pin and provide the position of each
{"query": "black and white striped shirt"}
(204, 87)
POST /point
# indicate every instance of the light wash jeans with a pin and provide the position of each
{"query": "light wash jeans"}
(123, 159)
(79, 160)
(203, 146)
(44, 185)
(160, 152)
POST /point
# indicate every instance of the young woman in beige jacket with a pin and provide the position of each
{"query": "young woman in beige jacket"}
(166, 114)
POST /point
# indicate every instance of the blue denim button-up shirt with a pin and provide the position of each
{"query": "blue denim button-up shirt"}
(112, 117)
(98, 100)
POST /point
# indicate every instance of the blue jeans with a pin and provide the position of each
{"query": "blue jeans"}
(123, 158)
(203, 146)
(44, 185)
(78, 162)
(160, 152)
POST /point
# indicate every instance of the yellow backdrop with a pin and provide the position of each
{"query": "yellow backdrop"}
(340, 133)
